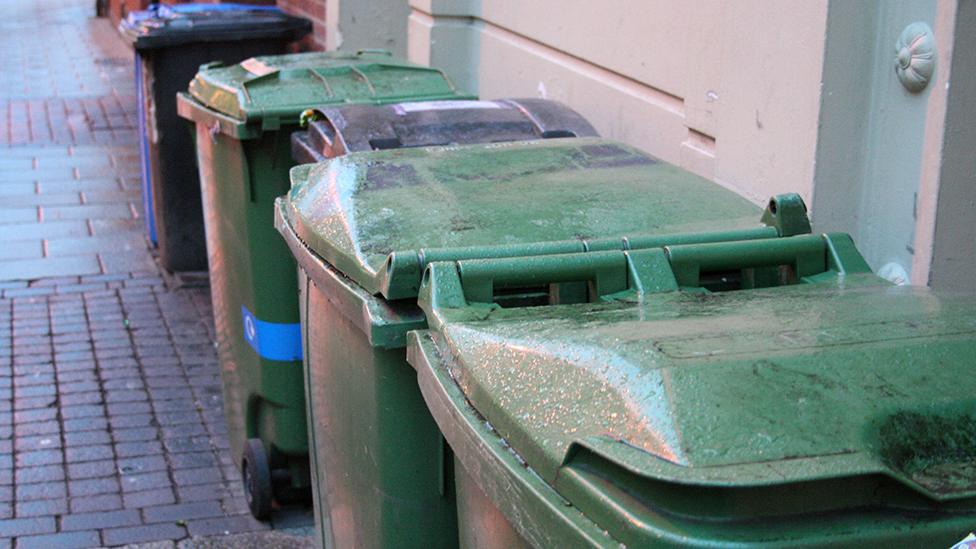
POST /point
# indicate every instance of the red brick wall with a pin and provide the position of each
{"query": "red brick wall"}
(313, 10)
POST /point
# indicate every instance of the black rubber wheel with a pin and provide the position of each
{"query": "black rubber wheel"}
(256, 474)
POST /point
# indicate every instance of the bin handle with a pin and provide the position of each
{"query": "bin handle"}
(808, 255)
(805, 254)
(464, 282)
(456, 284)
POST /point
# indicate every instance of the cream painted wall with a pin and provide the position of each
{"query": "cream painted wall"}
(761, 96)
(728, 89)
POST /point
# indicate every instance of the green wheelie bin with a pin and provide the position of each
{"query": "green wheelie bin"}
(244, 115)
(763, 393)
(363, 226)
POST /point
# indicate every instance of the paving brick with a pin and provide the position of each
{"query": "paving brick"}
(86, 438)
(82, 410)
(195, 444)
(44, 490)
(35, 389)
(188, 430)
(91, 469)
(93, 486)
(37, 428)
(183, 511)
(200, 475)
(135, 434)
(99, 520)
(141, 448)
(35, 379)
(203, 492)
(42, 473)
(40, 414)
(41, 508)
(63, 540)
(134, 420)
(193, 460)
(27, 526)
(149, 498)
(127, 395)
(145, 481)
(85, 424)
(127, 408)
(29, 403)
(39, 442)
(137, 534)
(38, 457)
(224, 525)
(169, 419)
(72, 346)
(123, 385)
(88, 453)
(105, 502)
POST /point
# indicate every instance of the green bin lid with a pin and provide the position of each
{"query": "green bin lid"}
(837, 394)
(279, 87)
(379, 216)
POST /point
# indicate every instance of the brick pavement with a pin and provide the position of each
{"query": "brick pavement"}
(111, 428)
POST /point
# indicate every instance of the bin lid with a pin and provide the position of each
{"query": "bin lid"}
(704, 404)
(163, 25)
(350, 128)
(278, 88)
(378, 216)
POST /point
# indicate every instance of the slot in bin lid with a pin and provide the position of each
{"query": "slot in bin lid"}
(163, 25)
(379, 216)
(352, 128)
(276, 89)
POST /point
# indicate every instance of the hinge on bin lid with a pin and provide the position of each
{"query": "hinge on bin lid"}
(788, 214)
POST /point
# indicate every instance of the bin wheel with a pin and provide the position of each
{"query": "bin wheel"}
(256, 475)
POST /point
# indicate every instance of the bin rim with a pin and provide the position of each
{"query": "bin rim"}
(651, 198)
(285, 26)
(384, 324)
(234, 96)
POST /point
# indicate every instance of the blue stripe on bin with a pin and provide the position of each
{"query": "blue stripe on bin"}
(272, 340)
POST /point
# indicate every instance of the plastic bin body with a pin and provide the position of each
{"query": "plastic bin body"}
(355, 128)
(764, 393)
(243, 150)
(168, 55)
(258, 336)
(361, 228)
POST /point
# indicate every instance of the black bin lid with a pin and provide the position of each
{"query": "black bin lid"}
(353, 128)
(162, 25)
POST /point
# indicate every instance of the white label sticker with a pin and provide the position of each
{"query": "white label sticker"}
(404, 108)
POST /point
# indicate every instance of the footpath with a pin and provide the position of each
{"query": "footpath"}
(111, 427)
